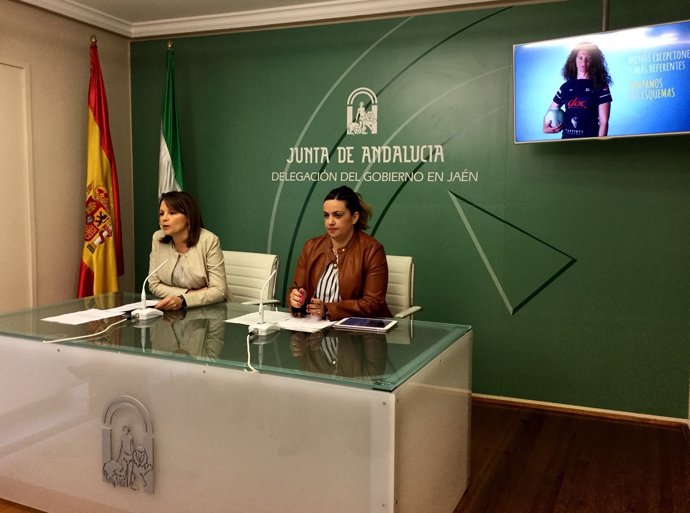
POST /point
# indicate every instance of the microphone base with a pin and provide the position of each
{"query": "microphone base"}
(147, 313)
(264, 329)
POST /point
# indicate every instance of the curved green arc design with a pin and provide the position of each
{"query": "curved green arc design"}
(317, 109)
(390, 202)
(340, 139)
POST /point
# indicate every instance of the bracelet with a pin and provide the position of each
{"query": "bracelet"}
(184, 301)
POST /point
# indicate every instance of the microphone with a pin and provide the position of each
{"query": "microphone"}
(263, 328)
(143, 312)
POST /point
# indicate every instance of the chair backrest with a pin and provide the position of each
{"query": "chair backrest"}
(246, 274)
(400, 293)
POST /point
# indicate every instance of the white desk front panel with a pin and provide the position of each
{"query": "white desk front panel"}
(224, 440)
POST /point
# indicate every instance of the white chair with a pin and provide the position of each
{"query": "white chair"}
(246, 275)
(400, 293)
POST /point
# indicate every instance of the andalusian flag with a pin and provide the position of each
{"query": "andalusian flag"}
(169, 160)
(101, 261)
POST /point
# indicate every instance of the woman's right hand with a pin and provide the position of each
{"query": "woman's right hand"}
(297, 297)
(548, 129)
(170, 303)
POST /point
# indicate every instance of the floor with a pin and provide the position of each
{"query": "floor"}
(537, 461)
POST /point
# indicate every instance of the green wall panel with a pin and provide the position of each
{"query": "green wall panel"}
(570, 260)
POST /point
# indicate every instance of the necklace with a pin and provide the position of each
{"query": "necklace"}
(337, 253)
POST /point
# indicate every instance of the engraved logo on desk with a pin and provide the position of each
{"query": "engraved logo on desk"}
(360, 120)
(127, 444)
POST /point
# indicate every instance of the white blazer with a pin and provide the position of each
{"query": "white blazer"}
(204, 266)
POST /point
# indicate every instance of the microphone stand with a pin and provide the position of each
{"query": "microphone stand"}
(143, 312)
(263, 328)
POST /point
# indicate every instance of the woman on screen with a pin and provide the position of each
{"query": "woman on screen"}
(585, 95)
(194, 270)
(342, 273)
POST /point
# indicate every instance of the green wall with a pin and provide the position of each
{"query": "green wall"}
(588, 242)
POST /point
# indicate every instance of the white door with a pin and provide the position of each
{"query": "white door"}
(17, 261)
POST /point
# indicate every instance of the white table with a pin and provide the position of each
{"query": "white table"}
(384, 427)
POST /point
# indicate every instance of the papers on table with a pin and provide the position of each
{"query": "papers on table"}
(309, 324)
(270, 316)
(284, 320)
(133, 306)
(94, 314)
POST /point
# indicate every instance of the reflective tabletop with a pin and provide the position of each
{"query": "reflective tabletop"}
(202, 335)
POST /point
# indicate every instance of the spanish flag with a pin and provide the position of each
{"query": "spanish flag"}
(101, 261)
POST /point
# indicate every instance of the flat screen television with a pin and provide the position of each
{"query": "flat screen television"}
(639, 78)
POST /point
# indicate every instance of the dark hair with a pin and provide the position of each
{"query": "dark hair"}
(354, 203)
(598, 69)
(184, 203)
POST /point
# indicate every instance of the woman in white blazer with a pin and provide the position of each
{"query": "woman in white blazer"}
(194, 270)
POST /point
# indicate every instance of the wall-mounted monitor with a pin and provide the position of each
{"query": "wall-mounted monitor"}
(611, 84)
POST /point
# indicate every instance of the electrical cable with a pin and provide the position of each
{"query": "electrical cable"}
(249, 352)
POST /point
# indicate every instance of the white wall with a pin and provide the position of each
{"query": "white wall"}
(56, 52)
(16, 209)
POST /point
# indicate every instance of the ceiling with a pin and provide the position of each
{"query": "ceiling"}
(159, 18)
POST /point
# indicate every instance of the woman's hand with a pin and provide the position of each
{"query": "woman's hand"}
(317, 308)
(298, 343)
(548, 129)
(297, 297)
(170, 303)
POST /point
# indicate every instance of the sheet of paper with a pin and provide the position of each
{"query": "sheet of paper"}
(95, 314)
(284, 320)
(270, 316)
(133, 306)
(90, 315)
(308, 324)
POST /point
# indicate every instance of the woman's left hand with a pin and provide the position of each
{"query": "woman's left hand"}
(170, 303)
(317, 308)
